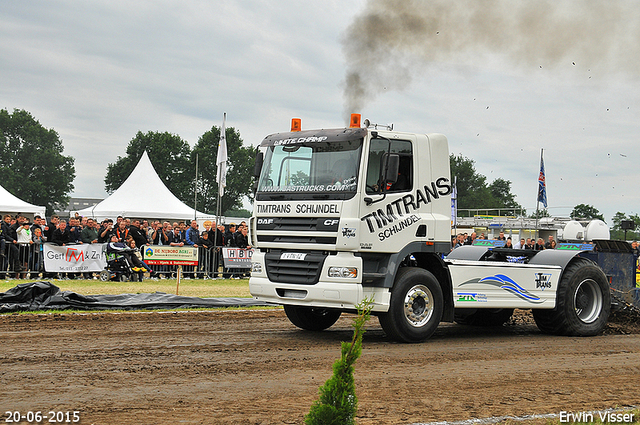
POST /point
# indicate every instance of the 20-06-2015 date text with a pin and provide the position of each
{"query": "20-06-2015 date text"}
(59, 417)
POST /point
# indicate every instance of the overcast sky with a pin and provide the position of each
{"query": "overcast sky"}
(563, 78)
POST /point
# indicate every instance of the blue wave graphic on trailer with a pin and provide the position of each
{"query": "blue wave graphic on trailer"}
(505, 282)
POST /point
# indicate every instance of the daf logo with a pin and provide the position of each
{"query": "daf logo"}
(331, 222)
(265, 221)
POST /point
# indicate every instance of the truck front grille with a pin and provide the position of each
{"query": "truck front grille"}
(305, 272)
(297, 239)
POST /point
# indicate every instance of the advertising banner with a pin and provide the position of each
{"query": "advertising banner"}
(74, 258)
(237, 258)
(166, 255)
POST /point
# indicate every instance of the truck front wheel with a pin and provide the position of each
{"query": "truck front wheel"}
(311, 318)
(416, 306)
(583, 303)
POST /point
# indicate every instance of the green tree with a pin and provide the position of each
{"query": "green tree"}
(32, 166)
(338, 404)
(240, 163)
(540, 213)
(500, 190)
(473, 192)
(616, 229)
(587, 212)
(170, 156)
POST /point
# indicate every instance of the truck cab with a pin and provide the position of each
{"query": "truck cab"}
(364, 212)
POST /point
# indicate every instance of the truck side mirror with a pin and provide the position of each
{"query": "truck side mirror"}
(391, 170)
(257, 168)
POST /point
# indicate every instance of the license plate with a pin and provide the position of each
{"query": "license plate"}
(299, 256)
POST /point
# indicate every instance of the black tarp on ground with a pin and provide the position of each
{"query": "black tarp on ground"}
(46, 296)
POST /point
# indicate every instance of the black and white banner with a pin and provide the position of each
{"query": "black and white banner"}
(237, 258)
(75, 258)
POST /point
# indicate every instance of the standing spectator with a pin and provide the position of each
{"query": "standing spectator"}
(104, 232)
(177, 238)
(122, 231)
(509, 244)
(539, 246)
(242, 240)
(192, 237)
(51, 227)
(193, 234)
(217, 238)
(37, 223)
(75, 233)
(61, 235)
(163, 234)
(38, 245)
(89, 233)
(153, 233)
(24, 242)
(229, 235)
(11, 241)
(138, 234)
(548, 244)
(205, 254)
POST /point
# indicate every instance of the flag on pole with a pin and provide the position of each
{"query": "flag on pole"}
(221, 177)
(542, 186)
(454, 202)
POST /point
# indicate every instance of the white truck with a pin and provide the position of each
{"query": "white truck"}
(346, 214)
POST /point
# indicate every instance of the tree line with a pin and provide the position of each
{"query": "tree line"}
(33, 166)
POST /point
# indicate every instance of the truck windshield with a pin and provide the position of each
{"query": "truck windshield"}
(327, 167)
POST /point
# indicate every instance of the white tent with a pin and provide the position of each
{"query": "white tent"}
(143, 195)
(12, 204)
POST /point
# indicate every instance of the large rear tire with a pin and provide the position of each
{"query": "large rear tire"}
(583, 302)
(312, 318)
(416, 306)
(483, 316)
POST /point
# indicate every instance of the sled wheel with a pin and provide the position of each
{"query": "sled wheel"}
(483, 316)
(583, 303)
(311, 318)
(104, 275)
(416, 306)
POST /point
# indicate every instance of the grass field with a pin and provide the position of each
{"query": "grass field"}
(188, 287)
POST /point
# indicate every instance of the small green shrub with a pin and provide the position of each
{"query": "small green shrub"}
(338, 403)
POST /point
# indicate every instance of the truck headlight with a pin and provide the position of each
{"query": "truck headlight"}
(348, 272)
(256, 267)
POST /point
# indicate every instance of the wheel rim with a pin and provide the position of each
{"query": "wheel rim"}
(588, 301)
(418, 305)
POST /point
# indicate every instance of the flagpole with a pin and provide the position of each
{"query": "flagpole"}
(542, 190)
(195, 192)
(221, 177)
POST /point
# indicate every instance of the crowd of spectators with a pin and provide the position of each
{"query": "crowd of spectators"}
(21, 241)
(528, 243)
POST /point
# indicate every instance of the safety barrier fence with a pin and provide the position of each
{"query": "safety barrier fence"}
(50, 261)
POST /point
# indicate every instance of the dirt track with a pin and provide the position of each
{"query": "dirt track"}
(253, 367)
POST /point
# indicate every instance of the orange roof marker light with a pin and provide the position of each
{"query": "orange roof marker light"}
(296, 124)
(355, 121)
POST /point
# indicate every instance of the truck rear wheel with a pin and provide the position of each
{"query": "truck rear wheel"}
(583, 303)
(311, 318)
(416, 306)
(483, 316)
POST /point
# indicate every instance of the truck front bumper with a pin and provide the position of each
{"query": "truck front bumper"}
(329, 292)
(342, 296)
